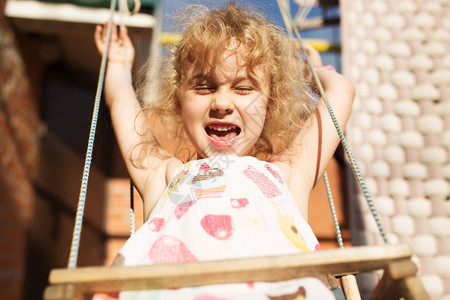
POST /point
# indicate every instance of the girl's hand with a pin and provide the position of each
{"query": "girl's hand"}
(120, 48)
(313, 55)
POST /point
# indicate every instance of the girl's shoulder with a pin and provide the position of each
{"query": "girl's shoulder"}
(156, 179)
(172, 165)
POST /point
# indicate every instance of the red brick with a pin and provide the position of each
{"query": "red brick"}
(18, 146)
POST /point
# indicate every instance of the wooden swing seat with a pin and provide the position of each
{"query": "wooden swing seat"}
(398, 279)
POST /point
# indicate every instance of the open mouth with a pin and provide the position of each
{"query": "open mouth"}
(222, 133)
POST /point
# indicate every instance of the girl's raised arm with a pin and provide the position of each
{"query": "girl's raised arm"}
(126, 112)
(340, 94)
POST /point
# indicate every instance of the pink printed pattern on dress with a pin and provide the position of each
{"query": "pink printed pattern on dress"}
(218, 226)
(181, 209)
(273, 172)
(239, 202)
(169, 249)
(267, 187)
(156, 224)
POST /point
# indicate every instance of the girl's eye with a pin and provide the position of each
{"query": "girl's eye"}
(244, 90)
(204, 89)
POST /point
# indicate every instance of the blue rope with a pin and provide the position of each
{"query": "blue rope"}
(333, 210)
(74, 249)
(353, 164)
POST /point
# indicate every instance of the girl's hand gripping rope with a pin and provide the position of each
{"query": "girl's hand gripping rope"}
(120, 43)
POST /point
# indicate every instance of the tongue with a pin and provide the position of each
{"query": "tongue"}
(223, 135)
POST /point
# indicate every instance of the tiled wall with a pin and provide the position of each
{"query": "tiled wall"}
(397, 53)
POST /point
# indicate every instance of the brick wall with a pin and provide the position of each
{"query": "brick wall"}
(40, 169)
(319, 215)
(18, 151)
(117, 215)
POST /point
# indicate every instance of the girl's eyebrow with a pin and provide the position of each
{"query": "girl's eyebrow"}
(252, 79)
(202, 77)
(198, 78)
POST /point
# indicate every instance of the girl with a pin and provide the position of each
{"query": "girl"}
(237, 97)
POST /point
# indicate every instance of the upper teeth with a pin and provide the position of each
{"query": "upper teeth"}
(221, 128)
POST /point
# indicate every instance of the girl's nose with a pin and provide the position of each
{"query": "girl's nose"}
(222, 102)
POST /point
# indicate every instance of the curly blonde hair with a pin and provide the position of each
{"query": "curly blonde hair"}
(206, 34)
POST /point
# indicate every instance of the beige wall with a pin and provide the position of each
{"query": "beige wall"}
(397, 53)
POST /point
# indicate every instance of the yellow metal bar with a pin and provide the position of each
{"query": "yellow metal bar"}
(320, 45)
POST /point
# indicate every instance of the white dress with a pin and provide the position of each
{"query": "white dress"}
(224, 207)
